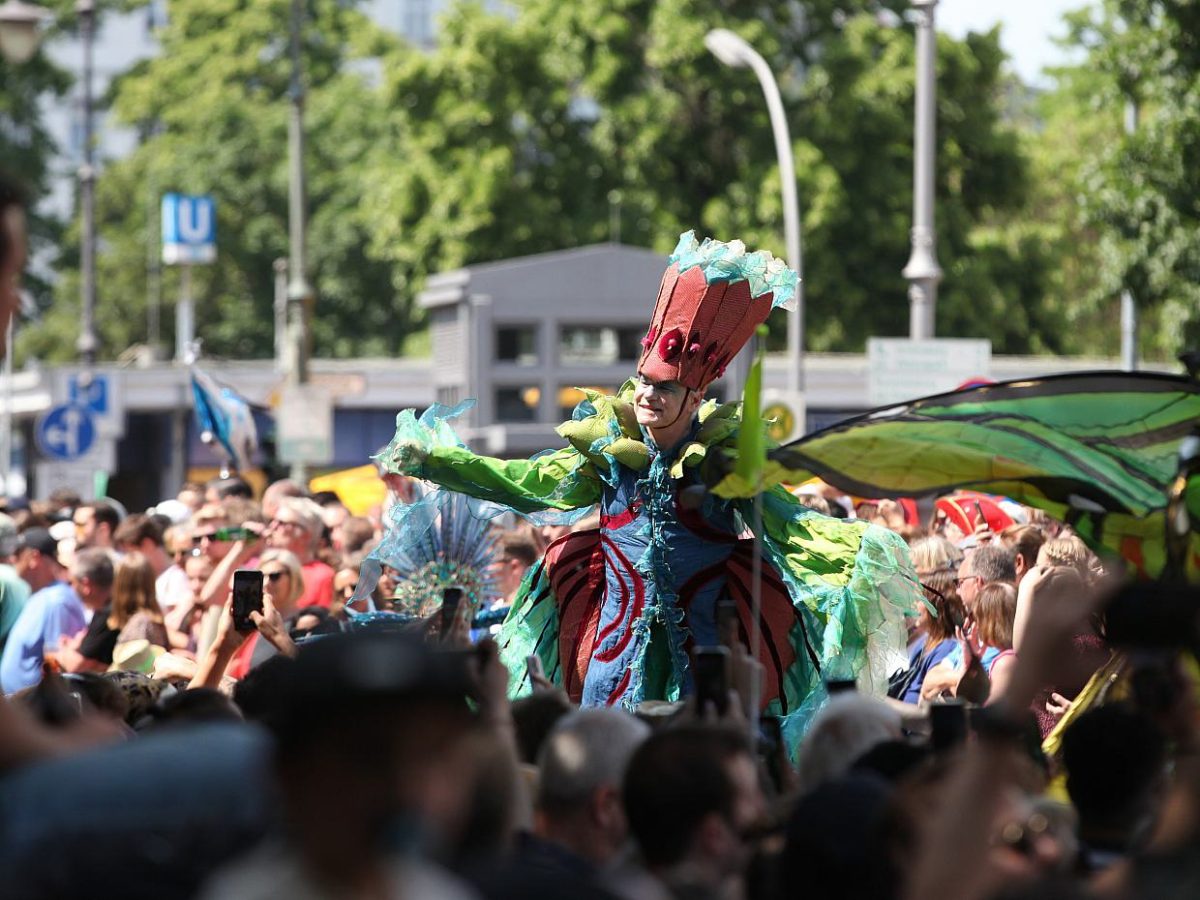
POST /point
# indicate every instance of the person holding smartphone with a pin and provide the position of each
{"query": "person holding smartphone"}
(282, 587)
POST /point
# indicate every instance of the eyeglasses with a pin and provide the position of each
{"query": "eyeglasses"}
(959, 579)
(274, 576)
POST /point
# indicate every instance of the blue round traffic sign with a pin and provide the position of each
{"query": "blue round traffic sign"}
(66, 432)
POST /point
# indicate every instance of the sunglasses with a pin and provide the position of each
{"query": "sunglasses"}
(273, 576)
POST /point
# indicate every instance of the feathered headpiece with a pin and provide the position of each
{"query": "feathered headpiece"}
(712, 297)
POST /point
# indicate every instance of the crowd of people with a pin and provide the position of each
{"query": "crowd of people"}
(150, 744)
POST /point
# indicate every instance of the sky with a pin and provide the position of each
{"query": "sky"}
(1028, 28)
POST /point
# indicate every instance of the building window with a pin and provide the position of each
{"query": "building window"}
(517, 404)
(517, 344)
(570, 397)
(599, 345)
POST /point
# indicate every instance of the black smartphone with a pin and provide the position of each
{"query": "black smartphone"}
(451, 598)
(947, 724)
(727, 623)
(710, 673)
(247, 597)
(841, 686)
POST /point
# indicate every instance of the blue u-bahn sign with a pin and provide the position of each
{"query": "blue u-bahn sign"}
(189, 229)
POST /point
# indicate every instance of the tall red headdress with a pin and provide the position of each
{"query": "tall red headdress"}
(712, 297)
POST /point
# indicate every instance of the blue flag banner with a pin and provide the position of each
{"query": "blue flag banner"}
(224, 419)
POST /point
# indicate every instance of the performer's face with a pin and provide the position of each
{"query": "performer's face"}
(661, 404)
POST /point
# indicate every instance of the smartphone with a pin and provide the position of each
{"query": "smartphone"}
(710, 673)
(247, 598)
(727, 622)
(231, 534)
(533, 663)
(841, 686)
(451, 597)
(947, 724)
(982, 520)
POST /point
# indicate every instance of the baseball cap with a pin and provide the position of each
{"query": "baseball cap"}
(37, 539)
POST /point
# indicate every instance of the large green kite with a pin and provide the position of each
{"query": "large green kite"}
(1097, 450)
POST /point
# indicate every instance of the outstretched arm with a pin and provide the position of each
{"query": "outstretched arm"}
(561, 480)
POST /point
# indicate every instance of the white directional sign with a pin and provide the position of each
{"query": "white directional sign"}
(189, 229)
(66, 432)
(902, 369)
(304, 425)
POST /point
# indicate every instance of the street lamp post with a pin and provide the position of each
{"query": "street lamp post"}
(922, 270)
(733, 51)
(1129, 313)
(86, 11)
(299, 291)
(19, 23)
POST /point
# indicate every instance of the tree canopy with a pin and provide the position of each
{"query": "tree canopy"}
(554, 125)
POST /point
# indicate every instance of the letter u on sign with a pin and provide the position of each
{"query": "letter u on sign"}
(195, 220)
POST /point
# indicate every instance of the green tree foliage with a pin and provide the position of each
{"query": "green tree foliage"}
(548, 127)
(212, 110)
(512, 136)
(1138, 192)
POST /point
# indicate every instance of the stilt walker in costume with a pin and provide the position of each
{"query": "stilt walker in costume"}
(613, 612)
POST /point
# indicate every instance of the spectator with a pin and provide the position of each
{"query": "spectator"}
(516, 555)
(934, 553)
(14, 590)
(191, 495)
(92, 580)
(1069, 551)
(1025, 541)
(342, 834)
(95, 525)
(691, 795)
(282, 589)
(172, 586)
(297, 527)
(220, 489)
(535, 716)
(987, 564)
(53, 611)
(135, 611)
(849, 725)
(992, 627)
(352, 535)
(333, 510)
(934, 634)
(207, 526)
(580, 824)
(37, 559)
(277, 491)
(345, 583)
(1115, 758)
(835, 842)
(1087, 652)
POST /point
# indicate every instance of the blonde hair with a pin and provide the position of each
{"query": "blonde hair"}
(934, 554)
(133, 591)
(289, 561)
(1069, 551)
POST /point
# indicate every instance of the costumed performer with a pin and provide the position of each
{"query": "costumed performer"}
(613, 612)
